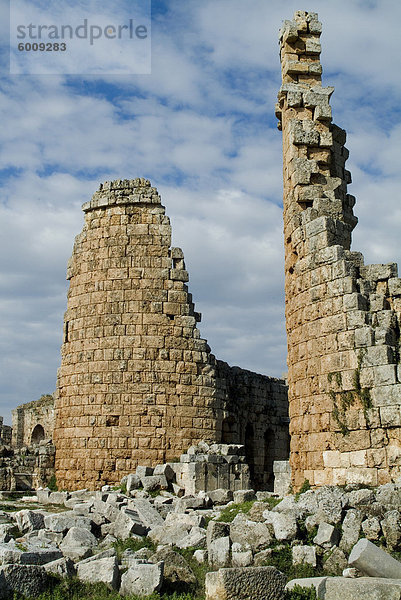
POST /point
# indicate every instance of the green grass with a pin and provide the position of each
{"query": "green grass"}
(299, 593)
(133, 544)
(229, 513)
(281, 558)
(272, 502)
(72, 589)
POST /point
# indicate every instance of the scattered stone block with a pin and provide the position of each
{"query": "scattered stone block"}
(242, 584)
(28, 580)
(142, 579)
(64, 567)
(104, 570)
(78, 543)
(29, 520)
(362, 588)
(304, 555)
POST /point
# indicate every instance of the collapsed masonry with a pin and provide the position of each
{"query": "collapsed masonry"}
(137, 384)
(342, 317)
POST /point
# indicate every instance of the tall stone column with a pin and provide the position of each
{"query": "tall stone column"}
(342, 318)
(136, 384)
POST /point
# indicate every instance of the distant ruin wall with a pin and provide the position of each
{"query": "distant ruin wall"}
(33, 422)
(342, 317)
(137, 384)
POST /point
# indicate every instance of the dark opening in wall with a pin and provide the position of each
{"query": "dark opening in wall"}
(250, 448)
(229, 431)
(38, 434)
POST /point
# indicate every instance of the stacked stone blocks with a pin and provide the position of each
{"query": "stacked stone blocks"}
(342, 317)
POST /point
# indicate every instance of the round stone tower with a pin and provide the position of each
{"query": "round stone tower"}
(136, 382)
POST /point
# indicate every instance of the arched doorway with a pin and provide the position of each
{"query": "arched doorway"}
(38, 434)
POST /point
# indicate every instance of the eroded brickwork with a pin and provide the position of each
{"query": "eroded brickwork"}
(137, 384)
(342, 317)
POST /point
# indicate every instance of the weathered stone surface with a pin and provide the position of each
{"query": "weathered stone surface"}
(334, 561)
(284, 525)
(304, 555)
(257, 535)
(128, 523)
(104, 570)
(63, 522)
(176, 567)
(196, 538)
(241, 556)
(64, 567)
(371, 528)
(221, 496)
(29, 520)
(266, 583)
(362, 588)
(78, 543)
(29, 580)
(147, 514)
(327, 536)
(391, 526)
(142, 579)
(351, 527)
(218, 552)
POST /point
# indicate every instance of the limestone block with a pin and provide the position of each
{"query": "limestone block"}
(304, 555)
(391, 527)
(27, 580)
(284, 525)
(63, 522)
(351, 527)
(176, 568)
(362, 588)
(104, 570)
(129, 522)
(146, 512)
(78, 543)
(142, 579)
(327, 535)
(28, 520)
(241, 584)
(63, 567)
(334, 561)
(218, 552)
(256, 535)
(196, 538)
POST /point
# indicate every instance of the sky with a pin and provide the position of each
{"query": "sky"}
(201, 127)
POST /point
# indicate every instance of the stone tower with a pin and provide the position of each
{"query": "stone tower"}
(342, 318)
(136, 381)
(137, 384)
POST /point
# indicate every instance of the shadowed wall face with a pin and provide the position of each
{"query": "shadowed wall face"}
(342, 317)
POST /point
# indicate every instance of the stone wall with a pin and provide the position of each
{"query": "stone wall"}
(33, 422)
(342, 317)
(5, 433)
(137, 384)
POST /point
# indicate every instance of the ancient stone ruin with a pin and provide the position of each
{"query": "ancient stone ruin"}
(342, 317)
(137, 383)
